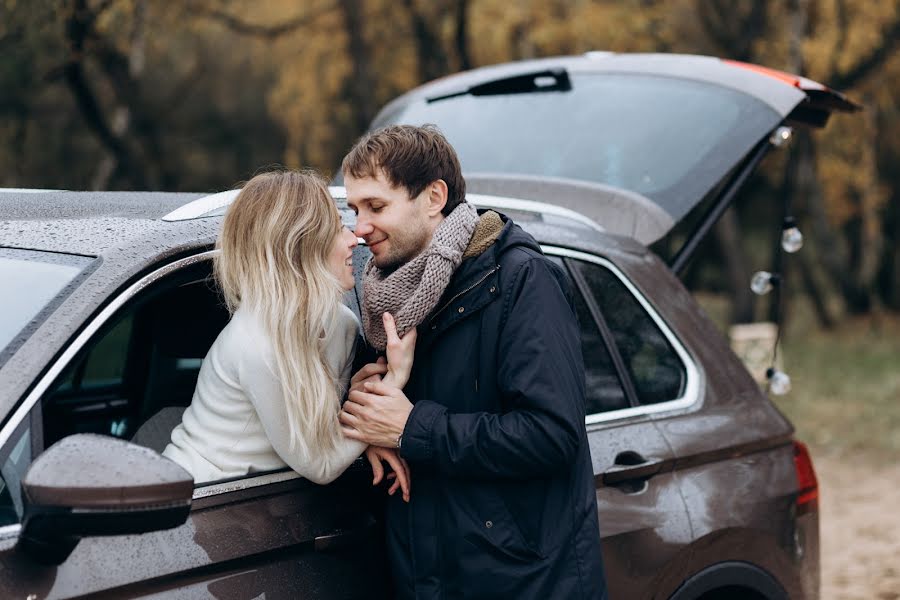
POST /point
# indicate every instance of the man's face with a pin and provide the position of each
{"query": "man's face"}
(396, 228)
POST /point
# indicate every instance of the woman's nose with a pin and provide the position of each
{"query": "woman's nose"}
(352, 241)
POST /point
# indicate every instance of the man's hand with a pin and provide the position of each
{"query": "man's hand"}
(376, 415)
(400, 473)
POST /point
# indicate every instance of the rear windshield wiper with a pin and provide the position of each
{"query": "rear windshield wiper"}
(552, 80)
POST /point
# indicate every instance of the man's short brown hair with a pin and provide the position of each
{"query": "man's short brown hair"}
(410, 157)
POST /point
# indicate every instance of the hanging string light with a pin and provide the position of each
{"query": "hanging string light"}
(763, 282)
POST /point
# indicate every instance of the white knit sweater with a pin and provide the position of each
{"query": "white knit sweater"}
(237, 421)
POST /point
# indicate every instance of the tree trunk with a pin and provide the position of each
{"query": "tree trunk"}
(432, 58)
(361, 83)
(462, 35)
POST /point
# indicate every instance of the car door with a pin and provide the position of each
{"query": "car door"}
(635, 371)
(272, 534)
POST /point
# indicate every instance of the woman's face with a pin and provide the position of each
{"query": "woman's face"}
(340, 259)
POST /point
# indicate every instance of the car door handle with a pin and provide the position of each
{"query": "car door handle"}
(631, 465)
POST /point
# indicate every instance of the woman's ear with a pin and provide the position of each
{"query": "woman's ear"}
(437, 197)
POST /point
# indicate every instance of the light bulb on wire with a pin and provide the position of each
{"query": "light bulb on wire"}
(762, 282)
(779, 382)
(791, 238)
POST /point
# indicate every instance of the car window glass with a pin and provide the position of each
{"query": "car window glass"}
(37, 280)
(14, 462)
(603, 390)
(668, 139)
(651, 361)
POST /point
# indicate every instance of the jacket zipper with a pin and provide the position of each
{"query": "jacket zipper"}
(465, 291)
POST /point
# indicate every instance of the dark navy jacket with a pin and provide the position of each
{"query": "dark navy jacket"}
(503, 502)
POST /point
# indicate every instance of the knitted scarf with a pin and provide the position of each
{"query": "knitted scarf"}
(414, 289)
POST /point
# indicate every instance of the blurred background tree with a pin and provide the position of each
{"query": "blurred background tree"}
(200, 94)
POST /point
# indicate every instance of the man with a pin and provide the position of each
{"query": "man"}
(491, 422)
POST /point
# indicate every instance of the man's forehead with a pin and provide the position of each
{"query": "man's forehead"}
(368, 187)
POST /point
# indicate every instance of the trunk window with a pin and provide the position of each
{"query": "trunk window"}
(668, 139)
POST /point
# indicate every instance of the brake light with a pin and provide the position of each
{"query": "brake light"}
(808, 496)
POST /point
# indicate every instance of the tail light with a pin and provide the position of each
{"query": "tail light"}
(808, 496)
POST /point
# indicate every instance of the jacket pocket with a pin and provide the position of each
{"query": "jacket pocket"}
(484, 521)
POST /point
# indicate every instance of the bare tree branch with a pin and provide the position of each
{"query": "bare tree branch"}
(840, 9)
(238, 25)
(865, 66)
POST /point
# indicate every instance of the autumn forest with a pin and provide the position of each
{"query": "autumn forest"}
(197, 95)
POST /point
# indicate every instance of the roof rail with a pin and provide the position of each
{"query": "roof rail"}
(511, 204)
(202, 207)
(214, 205)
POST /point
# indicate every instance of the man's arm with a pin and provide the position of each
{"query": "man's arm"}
(541, 379)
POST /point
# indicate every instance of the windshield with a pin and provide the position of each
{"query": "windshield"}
(668, 139)
(31, 282)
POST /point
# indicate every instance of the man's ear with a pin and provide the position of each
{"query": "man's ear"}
(437, 197)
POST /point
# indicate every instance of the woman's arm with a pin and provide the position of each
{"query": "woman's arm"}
(261, 385)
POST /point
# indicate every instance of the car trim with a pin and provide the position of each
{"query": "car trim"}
(508, 203)
(199, 207)
(89, 330)
(214, 489)
(691, 393)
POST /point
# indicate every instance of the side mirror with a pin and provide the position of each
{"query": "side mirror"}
(91, 485)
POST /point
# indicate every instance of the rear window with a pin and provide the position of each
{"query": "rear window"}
(668, 139)
(33, 283)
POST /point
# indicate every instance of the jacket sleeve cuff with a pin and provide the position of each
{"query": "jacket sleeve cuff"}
(417, 442)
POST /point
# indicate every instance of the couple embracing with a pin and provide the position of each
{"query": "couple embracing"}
(476, 397)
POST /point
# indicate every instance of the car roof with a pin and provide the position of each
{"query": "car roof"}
(94, 223)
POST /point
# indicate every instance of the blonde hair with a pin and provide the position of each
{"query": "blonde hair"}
(273, 260)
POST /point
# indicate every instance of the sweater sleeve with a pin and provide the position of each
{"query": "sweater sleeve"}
(265, 391)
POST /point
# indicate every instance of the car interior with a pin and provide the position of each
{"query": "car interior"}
(142, 366)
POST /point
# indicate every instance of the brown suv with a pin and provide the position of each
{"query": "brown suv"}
(109, 311)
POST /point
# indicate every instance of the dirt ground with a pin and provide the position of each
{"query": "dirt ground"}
(860, 526)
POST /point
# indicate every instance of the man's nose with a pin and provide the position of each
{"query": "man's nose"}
(363, 227)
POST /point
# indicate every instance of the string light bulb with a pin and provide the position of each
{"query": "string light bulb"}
(791, 238)
(779, 382)
(762, 282)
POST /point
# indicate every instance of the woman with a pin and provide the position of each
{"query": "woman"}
(269, 389)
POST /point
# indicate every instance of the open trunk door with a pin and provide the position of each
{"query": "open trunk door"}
(633, 141)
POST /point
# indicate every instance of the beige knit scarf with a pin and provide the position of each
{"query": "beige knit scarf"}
(413, 290)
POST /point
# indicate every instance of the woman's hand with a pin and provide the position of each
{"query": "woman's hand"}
(370, 372)
(400, 353)
(400, 473)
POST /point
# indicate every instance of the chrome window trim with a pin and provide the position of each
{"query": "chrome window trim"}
(691, 393)
(90, 329)
(214, 489)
